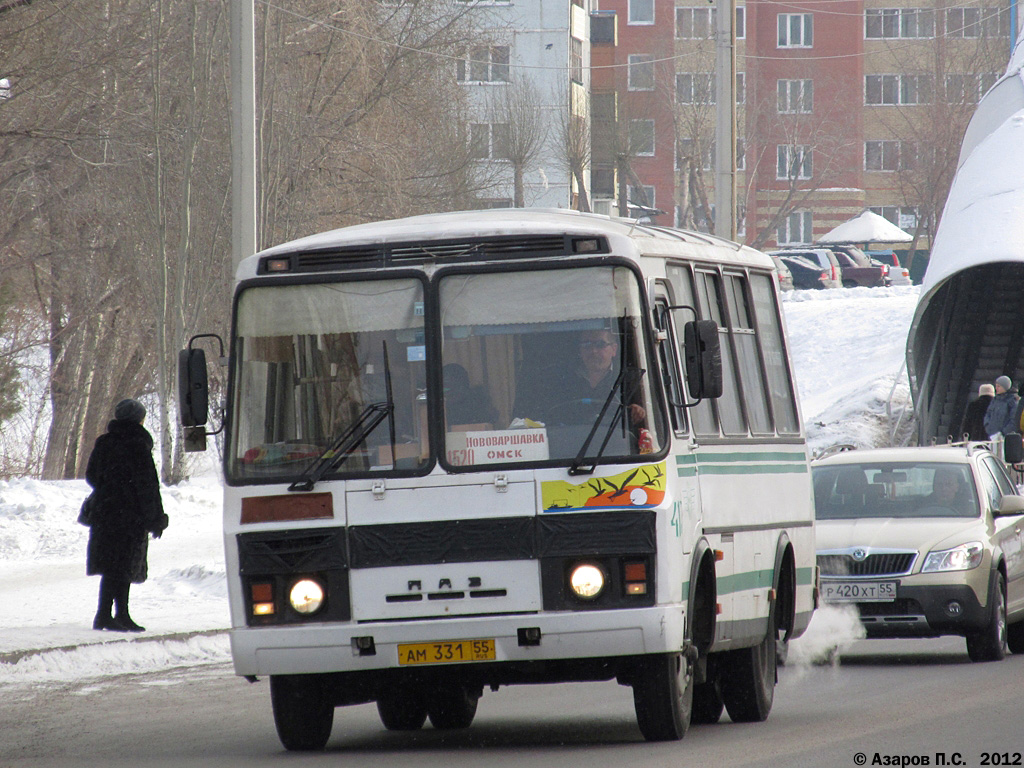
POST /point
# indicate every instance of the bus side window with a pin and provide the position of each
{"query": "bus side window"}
(702, 414)
(751, 375)
(769, 331)
(670, 370)
(730, 409)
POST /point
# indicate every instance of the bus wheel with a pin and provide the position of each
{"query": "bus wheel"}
(303, 711)
(707, 704)
(402, 711)
(663, 696)
(748, 679)
(452, 707)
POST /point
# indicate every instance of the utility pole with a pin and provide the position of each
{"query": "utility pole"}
(243, 130)
(725, 119)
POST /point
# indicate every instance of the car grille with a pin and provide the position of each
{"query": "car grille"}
(881, 564)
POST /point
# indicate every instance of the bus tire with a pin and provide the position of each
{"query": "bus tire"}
(303, 711)
(663, 696)
(707, 703)
(452, 707)
(748, 678)
(402, 711)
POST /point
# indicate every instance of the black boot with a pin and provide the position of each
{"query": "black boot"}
(103, 620)
(122, 616)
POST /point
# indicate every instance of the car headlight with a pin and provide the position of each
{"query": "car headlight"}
(961, 558)
(586, 581)
(306, 596)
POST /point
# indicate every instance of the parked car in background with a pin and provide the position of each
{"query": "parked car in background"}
(924, 542)
(821, 256)
(806, 273)
(858, 269)
(785, 276)
(898, 274)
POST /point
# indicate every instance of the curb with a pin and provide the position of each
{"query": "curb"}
(13, 657)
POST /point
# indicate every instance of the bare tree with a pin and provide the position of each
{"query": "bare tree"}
(572, 147)
(521, 128)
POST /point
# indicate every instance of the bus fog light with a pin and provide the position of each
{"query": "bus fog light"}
(586, 581)
(306, 596)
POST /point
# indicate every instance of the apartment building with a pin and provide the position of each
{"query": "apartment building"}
(841, 106)
(528, 83)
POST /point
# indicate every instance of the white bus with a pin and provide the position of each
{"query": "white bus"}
(478, 449)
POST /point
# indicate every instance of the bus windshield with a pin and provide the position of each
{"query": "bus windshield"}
(311, 361)
(546, 365)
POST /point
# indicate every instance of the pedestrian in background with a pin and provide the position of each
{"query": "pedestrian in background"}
(999, 416)
(122, 511)
(974, 418)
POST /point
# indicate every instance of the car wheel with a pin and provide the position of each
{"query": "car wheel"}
(303, 711)
(990, 644)
(1015, 637)
(663, 696)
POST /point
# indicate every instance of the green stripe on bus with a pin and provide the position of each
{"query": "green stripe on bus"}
(753, 580)
(753, 469)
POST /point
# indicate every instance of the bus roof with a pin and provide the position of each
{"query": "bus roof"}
(625, 236)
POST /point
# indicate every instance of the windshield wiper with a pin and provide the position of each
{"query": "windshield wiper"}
(343, 446)
(577, 468)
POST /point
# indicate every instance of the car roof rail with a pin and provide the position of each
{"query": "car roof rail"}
(833, 449)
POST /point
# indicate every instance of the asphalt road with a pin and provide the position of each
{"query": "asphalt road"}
(892, 702)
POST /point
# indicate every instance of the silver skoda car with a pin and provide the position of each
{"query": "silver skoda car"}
(924, 542)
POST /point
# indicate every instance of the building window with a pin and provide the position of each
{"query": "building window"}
(897, 89)
(796, 30)
(602, 182)
(968, 89)
(695, 23)
(487, 64)
(978, 22)
(695, 88)
(641, 137)
(641, 72)
(904, 217)
(488, 141)
(906, 23)
(576, 60)
(699, 23)
(701, 157)
(641, 11)
(793, 162)
(700, 88)
(795, 229)
(884, 156)
(641, 197)
(795, 97)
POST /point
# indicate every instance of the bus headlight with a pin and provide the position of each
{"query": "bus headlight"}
(306, 596)
(586, 581)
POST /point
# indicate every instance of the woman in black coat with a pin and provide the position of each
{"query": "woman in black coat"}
(125, 508)
(974, 418)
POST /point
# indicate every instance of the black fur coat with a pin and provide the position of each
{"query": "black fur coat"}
(126, 504)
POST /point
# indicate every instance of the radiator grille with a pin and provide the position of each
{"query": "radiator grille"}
(881, 564)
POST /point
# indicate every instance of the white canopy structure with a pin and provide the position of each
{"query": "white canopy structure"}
(969, 324)
(868, 227)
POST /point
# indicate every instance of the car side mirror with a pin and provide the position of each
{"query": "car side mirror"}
(193, 388)
(1010, 505)
(703, 353)
(1013, 448)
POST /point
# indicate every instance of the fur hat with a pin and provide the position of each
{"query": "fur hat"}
(130, 410)
(987, 389)
(1004, 382)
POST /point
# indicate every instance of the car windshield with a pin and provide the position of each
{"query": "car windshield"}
(546, 365)
(897, 489)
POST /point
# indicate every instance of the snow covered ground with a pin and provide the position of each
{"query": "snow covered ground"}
(848, 351)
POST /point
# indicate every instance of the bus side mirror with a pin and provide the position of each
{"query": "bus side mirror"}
(1013, 448)
(703, 353)
(193, 388)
